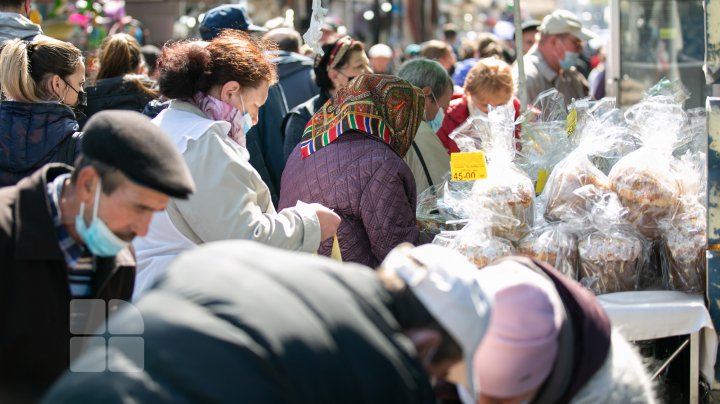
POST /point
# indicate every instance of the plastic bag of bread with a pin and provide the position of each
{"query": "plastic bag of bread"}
(430, 218)
(684, 236)
(479, 245)
(555, 244)
(646, 180)
(597, 138)
(611, 253)
(507, 191)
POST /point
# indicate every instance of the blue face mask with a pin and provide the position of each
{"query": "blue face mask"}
(97, 237)
(570, 60)
(247, 119)
(437, 121)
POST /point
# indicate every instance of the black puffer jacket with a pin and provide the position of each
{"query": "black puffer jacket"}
(33, 134)
(241, 322)
(118, 93)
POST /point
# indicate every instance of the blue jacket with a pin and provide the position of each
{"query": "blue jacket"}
(297, 78)
(32, 135)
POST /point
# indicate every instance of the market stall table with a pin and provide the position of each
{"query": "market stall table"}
(647, 315)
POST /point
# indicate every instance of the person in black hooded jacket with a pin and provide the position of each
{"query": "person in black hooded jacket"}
(120, 82)
(263, 325)
(40, 81)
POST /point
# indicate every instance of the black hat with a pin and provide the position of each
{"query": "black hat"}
(227, 16)
(130, 142)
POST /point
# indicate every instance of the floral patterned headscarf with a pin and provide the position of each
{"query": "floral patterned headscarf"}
(381, 106)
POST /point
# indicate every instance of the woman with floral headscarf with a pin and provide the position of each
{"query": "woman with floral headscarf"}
(350, 160)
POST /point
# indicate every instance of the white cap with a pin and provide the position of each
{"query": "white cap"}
(380, 51)
(445, 283)
(565, 22)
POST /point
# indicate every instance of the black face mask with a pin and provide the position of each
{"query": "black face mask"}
(82, 97)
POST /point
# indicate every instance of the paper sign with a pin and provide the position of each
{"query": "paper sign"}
(468, 166)
(571, 122)
(335, 252)
(541, 181)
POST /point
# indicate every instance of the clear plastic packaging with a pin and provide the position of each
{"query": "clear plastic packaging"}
(507, 191)
(432, 219)
(555, 244)
(477, 243)
(611, 253)
(597, 138)
(645, 180)
(684, 236)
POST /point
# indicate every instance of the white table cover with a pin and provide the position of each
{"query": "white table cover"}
(657, 314)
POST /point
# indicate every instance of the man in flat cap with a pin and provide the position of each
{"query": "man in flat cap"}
(550, 63)
(64, 238)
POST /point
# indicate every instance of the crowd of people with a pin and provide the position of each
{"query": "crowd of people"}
(199, 187)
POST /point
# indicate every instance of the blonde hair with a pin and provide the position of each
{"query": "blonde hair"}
(489, 76)
(28, 67)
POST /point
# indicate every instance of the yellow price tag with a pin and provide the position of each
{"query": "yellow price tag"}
(571, 122)
(468, 166)
(541, 181)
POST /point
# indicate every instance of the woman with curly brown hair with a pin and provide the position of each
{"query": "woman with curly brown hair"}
(216, 89)
(121, 82)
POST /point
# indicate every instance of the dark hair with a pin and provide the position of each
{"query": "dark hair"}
(321, 62)
(28, 67)
(111, 178)
(118, 55)
(151, 53)
(191, 66)
(4, 4)
(288, 39)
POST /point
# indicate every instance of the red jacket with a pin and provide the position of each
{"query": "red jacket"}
(456, 114)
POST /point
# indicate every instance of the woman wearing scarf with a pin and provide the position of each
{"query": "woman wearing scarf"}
(341, 62)
(216, 90)
(350, 160)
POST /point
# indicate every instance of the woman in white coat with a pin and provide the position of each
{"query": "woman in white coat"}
(216, 90)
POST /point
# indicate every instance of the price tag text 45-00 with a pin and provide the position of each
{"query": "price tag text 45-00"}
(468, 166)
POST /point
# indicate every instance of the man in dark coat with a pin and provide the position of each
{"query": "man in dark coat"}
(237, 321)
(295, 71)
(64, 244)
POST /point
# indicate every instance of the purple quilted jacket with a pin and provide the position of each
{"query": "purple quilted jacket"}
(367, 184)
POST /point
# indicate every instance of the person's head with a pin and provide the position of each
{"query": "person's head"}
(412, 51)
(489, 83)
(521, 342)
(151, 54)
(561, 39)
(127, 171)
(435, 83)
(341, 62)
(438, 304)
(488, 45)
(381, 106)
(227, 16)
(234, 68)
(119, 54)
(45, 69)
(380, 56)
(16, 6)
(529, 34)
(450, 31)
(287, 39)
(328, 33)
(440, 51)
